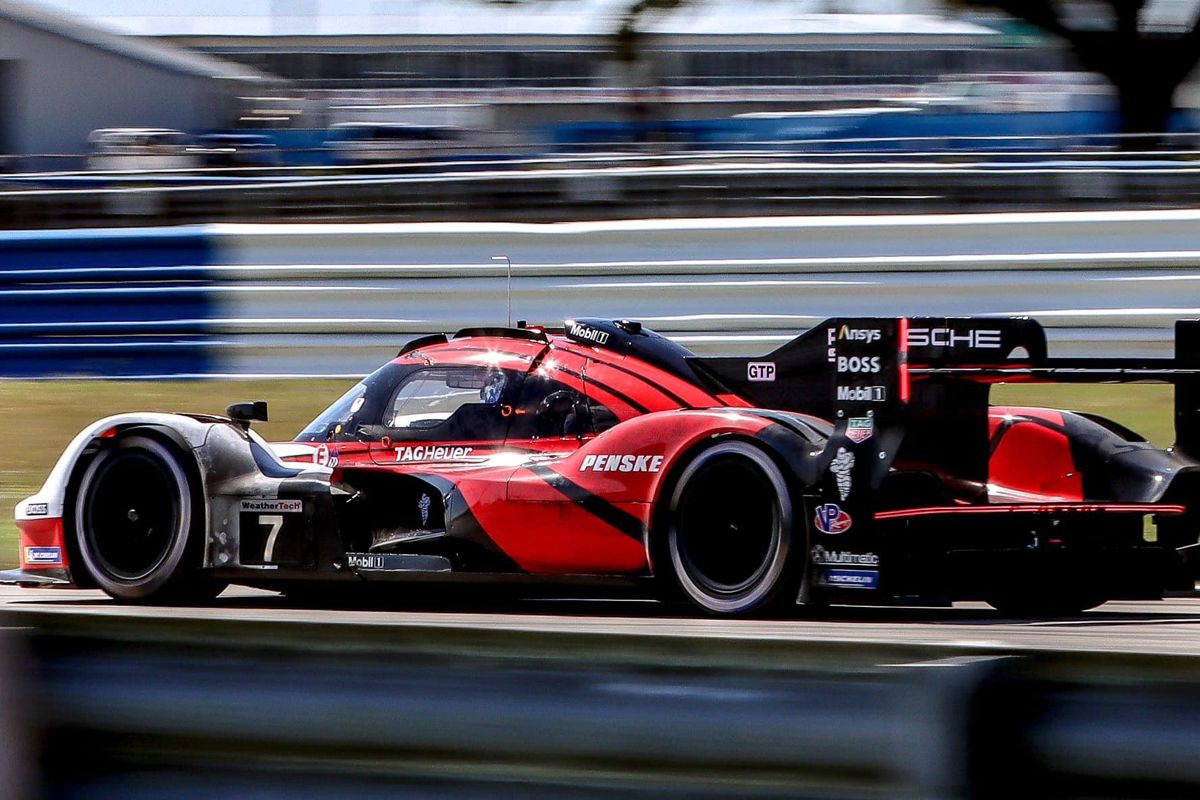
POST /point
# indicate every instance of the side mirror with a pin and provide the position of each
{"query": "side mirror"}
(245, 413)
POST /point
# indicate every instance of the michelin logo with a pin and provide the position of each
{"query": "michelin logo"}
(43, 556)
(850, 578)
(621, 463)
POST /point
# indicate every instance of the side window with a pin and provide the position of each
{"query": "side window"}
(602, 417)
(427, 400)
(549, 408)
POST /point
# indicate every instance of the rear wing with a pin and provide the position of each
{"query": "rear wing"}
(909, 365)
(924, 382)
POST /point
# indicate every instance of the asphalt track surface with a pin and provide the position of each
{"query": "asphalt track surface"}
(1170, 626)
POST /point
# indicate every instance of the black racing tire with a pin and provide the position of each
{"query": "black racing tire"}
(137, 526)
(730, 539)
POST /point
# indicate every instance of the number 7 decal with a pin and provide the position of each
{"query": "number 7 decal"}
(275, 522)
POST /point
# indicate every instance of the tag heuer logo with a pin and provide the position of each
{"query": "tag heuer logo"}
(859, 429)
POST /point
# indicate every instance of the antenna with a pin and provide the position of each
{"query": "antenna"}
(506, 260)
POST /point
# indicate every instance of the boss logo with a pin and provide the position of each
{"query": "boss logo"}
(760, 371)
(949, 337)
(861, 364)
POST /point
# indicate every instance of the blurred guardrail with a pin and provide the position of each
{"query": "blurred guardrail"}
(148, 706)
(340, 299)
(523, 183)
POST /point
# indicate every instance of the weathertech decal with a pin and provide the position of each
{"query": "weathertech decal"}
(621, 463)
(278, 506)
(431, 453)
(831, 519)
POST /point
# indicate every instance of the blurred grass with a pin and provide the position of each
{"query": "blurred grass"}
(42, 417)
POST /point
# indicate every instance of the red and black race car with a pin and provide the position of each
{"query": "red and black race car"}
(860, 462)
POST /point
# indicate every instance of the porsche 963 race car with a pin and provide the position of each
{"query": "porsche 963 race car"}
(860, 462)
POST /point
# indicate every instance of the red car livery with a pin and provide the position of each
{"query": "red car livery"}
(859, 462)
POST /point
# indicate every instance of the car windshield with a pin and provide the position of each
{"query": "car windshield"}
(338, 413)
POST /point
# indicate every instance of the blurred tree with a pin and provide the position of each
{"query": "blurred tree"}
(1144, 66)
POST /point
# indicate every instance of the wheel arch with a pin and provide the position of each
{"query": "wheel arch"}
(165, 435)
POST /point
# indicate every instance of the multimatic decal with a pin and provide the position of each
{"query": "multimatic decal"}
(37, 509)
(843, 558)
(623, 521)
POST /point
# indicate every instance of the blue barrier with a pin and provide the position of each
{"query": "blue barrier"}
(113, 303)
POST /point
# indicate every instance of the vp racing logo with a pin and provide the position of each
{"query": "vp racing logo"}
(830, 518)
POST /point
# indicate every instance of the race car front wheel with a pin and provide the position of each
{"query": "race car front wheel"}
(729, 531)
(138, 532)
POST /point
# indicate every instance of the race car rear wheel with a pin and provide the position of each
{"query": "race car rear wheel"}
(136, 524)
(729, 530)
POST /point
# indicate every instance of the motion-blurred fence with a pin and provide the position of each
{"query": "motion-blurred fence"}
(340, 299)
(142, 706)
(614, 187)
